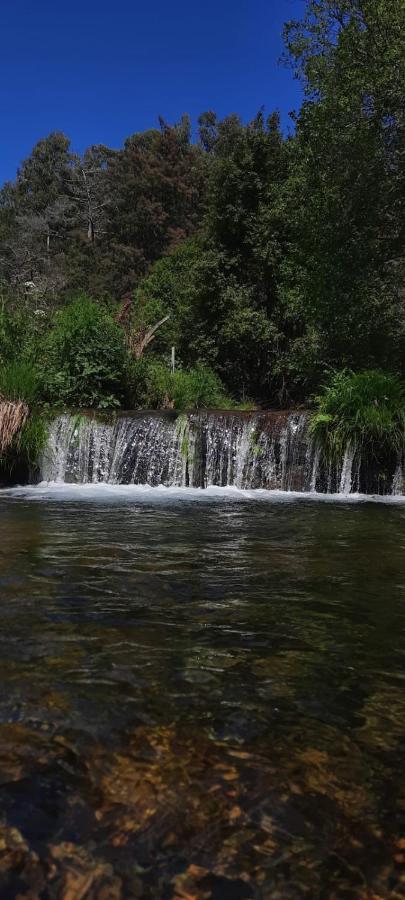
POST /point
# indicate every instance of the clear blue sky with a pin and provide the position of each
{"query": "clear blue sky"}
(100, 71)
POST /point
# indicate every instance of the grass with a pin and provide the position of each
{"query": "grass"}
(24, 450)
(363, 409)
(19, 380)
(13, 415)
(23, 431)
(31, 439)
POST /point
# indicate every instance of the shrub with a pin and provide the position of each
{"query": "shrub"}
(19, 380)
(8, 334)
(364, 409)
(148, 383)
(20, 333)
(85, 357)
(196, 388)
(151, 384)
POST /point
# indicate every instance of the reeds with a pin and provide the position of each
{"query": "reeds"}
(13, 415)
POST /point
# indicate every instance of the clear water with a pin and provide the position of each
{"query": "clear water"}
(201, 695)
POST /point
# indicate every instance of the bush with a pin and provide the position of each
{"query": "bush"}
(20, 334)
(151, 384)
(19, 380)
(84, 357)
(148, 382)
(9, 336)
(196, 388)
(364, 409)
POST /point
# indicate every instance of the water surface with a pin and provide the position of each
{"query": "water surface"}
(201, 695)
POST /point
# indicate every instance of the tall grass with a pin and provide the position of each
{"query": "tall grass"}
(23, 451)
(13, 415)
(363, 409)
(19, 380)
(23, 430)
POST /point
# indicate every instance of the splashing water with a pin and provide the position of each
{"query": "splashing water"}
(249, 451)
(347, 470)
(198, 450)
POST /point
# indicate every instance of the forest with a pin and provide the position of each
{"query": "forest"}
(270, 261)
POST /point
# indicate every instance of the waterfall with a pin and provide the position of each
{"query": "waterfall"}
(252, 450)
(245, 450)
(347, 470)
(398, 481)
(145, 449)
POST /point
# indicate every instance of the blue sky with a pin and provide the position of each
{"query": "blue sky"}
(100, 71)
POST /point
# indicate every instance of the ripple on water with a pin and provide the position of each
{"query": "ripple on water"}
(211, 689)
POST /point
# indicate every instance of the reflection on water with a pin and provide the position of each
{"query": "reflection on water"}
(201, 700)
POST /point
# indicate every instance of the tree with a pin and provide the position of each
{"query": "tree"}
(221, 287)
(38, 211)
(89, 191)
(156, 189)
(343, 278)
(245, 237)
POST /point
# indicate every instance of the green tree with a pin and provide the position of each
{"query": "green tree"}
(157, 187)
(36, 212)
(345, 197)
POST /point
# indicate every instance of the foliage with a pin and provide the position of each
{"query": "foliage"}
(274, 257)
(153, 386)
(9, 336)
(31, 440)
(197, 388)
(365, 410)
(157, 186)
(148, 383)
(170, 289)
(84, 357)
(19, 380)
(221, 286)
(345, 195)
(24, 451)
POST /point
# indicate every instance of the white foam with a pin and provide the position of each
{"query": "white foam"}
(140, 493)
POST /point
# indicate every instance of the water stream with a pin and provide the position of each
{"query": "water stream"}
(197, 450)
(201, 692)
(202, 665)
(271, 451)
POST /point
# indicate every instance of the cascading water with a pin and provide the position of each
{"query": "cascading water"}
(270, 450)
(346, 475)
(255, 450)
(398, 481)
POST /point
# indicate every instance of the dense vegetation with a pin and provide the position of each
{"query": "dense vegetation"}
(362, 409)
(265, 260)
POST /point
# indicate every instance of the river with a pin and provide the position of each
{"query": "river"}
(201, 694)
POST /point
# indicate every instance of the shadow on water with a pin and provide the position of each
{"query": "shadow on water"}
(201, 700)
